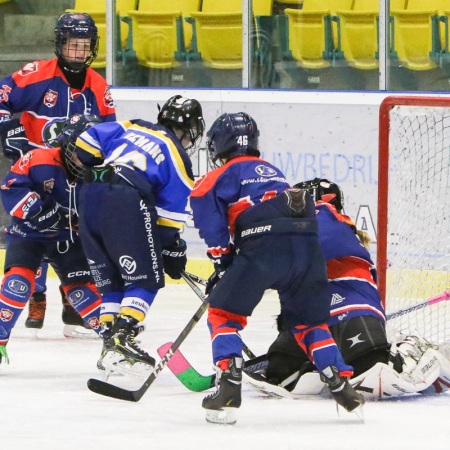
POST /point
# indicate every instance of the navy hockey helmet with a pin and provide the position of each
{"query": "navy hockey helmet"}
(74, 126)
(185, 114)
(76, 25)
(324, 190)
(232, 135)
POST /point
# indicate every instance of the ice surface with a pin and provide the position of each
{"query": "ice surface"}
(45, 404)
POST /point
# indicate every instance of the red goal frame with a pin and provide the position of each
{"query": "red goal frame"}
(383, 174)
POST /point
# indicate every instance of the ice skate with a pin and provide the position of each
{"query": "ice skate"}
(222, 404)
(342, 391)
(121, 352)
(36, 311)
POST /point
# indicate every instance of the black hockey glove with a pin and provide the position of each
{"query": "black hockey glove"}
(174, 259)
(13, 138)
(51, 217)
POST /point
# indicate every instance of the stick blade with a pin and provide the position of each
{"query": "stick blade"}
(109, 390)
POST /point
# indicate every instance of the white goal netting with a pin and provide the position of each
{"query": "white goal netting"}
(418, 220)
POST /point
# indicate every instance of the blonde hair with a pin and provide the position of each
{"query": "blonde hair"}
(364, 238)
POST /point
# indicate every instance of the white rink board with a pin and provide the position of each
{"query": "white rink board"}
(306, 134)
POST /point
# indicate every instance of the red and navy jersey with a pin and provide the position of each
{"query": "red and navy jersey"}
(350, 268)
(38, 175)
(220, 196)
(41, 92)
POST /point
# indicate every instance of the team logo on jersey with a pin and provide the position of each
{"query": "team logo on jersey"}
(6, 315)
(50, 98)
(109, 102)
(336, 299)
(49, 185)
(264, 171)
(4, 97)
(128, 263)
(29, 68)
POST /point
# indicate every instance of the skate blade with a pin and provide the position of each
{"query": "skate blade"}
(117, 364)
(79, 332)
(226, 416)
(359, 412)
(33, 332)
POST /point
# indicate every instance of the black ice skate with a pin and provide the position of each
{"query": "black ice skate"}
(108, 344)
(36, 311)
(122, 354)
(342, 391)
(221, 405)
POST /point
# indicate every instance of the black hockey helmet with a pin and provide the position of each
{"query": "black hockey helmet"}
(324, 190)
(232, 135)
(74, 126)
(185, 114)
(76, 25)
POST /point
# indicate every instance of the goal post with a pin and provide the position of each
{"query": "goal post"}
(413, 230)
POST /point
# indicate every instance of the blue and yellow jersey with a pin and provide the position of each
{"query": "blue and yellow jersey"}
(43, 95)
(224, 193)
(150, 150)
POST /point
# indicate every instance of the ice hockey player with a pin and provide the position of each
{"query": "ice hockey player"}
(47, 92)
(140, 193)
(41, 194)
(357, 321)
(260, 235)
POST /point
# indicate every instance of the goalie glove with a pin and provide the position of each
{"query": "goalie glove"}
(13, 138)
(175, 259)
(406, 357)
(51, 217)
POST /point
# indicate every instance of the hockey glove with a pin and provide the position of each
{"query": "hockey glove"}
(13, 138)
(174, 259)
(51, 217)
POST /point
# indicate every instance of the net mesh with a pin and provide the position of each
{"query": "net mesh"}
(418, 233)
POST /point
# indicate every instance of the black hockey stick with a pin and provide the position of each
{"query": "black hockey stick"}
(197, 279)
(110, 390)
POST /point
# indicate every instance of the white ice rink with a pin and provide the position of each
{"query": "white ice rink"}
(45, 404)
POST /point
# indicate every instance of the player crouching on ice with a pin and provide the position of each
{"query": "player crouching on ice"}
(357, 322)
(131, 214)
(261, 235)
(41, 192)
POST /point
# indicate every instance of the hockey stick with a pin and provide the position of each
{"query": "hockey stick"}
(182, 368)
(431, 301)
(203, 298)
(197, 279)
(110, 390)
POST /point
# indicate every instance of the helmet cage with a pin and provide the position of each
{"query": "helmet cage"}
(76, 25)
(74, 126)
(324, 190)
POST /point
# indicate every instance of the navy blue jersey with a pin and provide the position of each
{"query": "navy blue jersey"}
(223, 194)
(34, 178)
(350, 268)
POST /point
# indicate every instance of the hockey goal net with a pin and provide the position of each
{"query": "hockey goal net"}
(413, 242)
